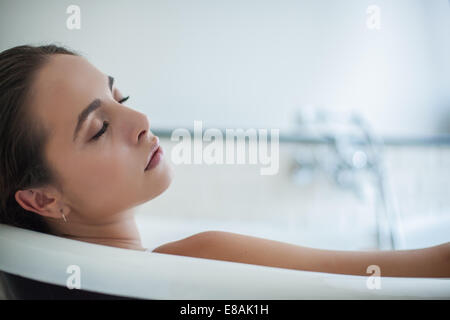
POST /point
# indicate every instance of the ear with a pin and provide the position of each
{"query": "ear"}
(39, 201)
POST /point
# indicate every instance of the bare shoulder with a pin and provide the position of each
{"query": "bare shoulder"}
(229, 246)
(235, 247)
(202, 244)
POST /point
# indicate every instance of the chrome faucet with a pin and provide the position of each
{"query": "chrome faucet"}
(353, 158)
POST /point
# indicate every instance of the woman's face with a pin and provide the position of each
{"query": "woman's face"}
(100, 178)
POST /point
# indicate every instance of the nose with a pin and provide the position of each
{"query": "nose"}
(141, 130)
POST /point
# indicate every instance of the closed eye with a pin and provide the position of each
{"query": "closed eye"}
(106, 123)
(102, 131)
(124, 99)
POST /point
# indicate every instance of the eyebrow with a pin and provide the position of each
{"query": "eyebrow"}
(94, 105)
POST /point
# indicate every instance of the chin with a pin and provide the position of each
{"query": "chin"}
(162, 181)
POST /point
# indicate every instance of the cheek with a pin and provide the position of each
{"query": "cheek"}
(104, 186)
(97, 173)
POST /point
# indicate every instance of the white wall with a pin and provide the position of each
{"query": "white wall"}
(254, 63)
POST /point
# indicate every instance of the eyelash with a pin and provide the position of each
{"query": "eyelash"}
(106, 123)
(124, 99)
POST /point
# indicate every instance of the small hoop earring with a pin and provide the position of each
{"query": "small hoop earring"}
(64, 217)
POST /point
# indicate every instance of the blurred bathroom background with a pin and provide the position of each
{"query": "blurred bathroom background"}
(358, 89)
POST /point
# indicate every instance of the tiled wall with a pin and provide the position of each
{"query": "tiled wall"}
(420, 179)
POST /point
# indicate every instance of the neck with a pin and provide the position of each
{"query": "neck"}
(121, 233)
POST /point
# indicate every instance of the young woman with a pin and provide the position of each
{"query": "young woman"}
(75, 161)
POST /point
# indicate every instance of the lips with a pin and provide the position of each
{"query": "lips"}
(154, 149)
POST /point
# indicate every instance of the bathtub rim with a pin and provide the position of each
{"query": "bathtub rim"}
(178, 277)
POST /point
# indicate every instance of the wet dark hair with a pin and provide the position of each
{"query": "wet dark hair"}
(22, 139)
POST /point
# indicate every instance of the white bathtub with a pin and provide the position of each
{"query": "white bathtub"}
(135, 274)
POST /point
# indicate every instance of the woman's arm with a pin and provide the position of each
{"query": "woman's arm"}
(227, 246)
